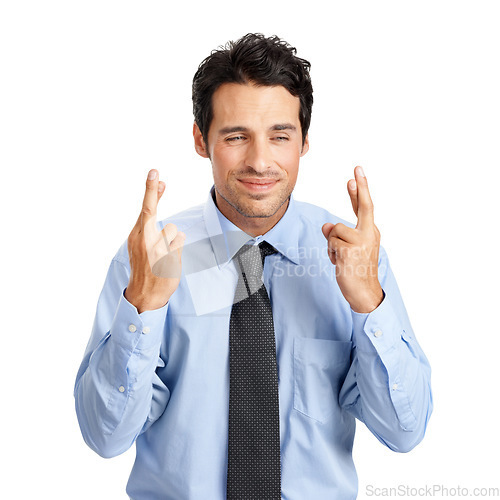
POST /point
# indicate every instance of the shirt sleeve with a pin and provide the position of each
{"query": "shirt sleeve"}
(117, 391)
(388, 384)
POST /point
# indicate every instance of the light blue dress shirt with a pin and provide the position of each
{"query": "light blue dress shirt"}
(161, 378)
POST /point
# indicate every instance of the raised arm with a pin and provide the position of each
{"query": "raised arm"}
(117, 391)
(388, 384)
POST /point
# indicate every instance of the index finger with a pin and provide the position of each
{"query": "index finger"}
(150, 202)
(365, 204)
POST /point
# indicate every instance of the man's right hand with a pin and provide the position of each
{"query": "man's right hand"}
(155, 256)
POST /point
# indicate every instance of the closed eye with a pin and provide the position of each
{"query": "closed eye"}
(235, 138)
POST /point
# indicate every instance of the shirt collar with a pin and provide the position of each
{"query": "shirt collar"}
(226, 238)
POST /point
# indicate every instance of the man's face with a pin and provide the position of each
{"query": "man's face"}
(255, 144)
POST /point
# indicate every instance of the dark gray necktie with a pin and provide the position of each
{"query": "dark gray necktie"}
(254, 468)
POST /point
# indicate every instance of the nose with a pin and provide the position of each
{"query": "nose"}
(259, 155)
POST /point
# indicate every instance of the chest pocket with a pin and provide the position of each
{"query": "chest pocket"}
(320, 367)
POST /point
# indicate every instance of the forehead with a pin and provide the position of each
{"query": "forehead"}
(249, 104)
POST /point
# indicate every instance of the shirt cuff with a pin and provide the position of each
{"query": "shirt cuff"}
(378, 330)
(132, 330)
(380, 333)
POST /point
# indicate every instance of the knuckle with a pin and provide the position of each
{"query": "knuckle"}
(332, 249)
(148, 211)
(336, 230)
(368, 206)
(373, 235)
(338, 247)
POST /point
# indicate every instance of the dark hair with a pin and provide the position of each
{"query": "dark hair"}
(252, 59)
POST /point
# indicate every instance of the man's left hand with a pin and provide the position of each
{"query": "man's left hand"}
(354, 251)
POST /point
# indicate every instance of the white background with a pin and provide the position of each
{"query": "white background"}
(94, 94)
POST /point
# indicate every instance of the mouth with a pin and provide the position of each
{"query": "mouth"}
(258, 185)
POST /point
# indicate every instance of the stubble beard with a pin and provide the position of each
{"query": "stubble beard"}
(247, 210)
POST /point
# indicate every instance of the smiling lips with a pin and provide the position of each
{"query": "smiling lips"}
(257, 184)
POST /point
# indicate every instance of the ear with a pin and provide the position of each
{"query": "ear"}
(199, 143)
(305, 147)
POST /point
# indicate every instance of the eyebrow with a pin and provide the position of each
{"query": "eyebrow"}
(278, 126)
(284, 126)
(231, 130)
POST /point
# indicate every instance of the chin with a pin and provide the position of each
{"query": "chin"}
(260, 209)
(254, 205)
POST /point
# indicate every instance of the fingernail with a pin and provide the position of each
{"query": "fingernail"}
(152, 175)
(352, 185)
(360, 171)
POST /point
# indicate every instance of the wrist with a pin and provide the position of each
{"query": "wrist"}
(143, 302)
(365, 305)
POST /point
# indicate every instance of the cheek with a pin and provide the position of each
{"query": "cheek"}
(224, 161)
(290, 163)
(221, 161)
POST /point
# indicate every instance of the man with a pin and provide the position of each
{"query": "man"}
(236, 342)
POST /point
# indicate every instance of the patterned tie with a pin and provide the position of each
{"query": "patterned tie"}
(254, 469)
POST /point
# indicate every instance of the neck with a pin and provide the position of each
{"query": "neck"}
(254, 226)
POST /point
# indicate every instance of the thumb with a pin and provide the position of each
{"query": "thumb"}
(327, 228)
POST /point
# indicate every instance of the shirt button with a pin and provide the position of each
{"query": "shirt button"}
(132, 328)
(378, 333)
(146, 329)
(121, 388)
(394, 387)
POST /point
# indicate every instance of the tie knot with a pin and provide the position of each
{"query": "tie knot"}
(251, 257)
(266, 249)
(249, 262)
